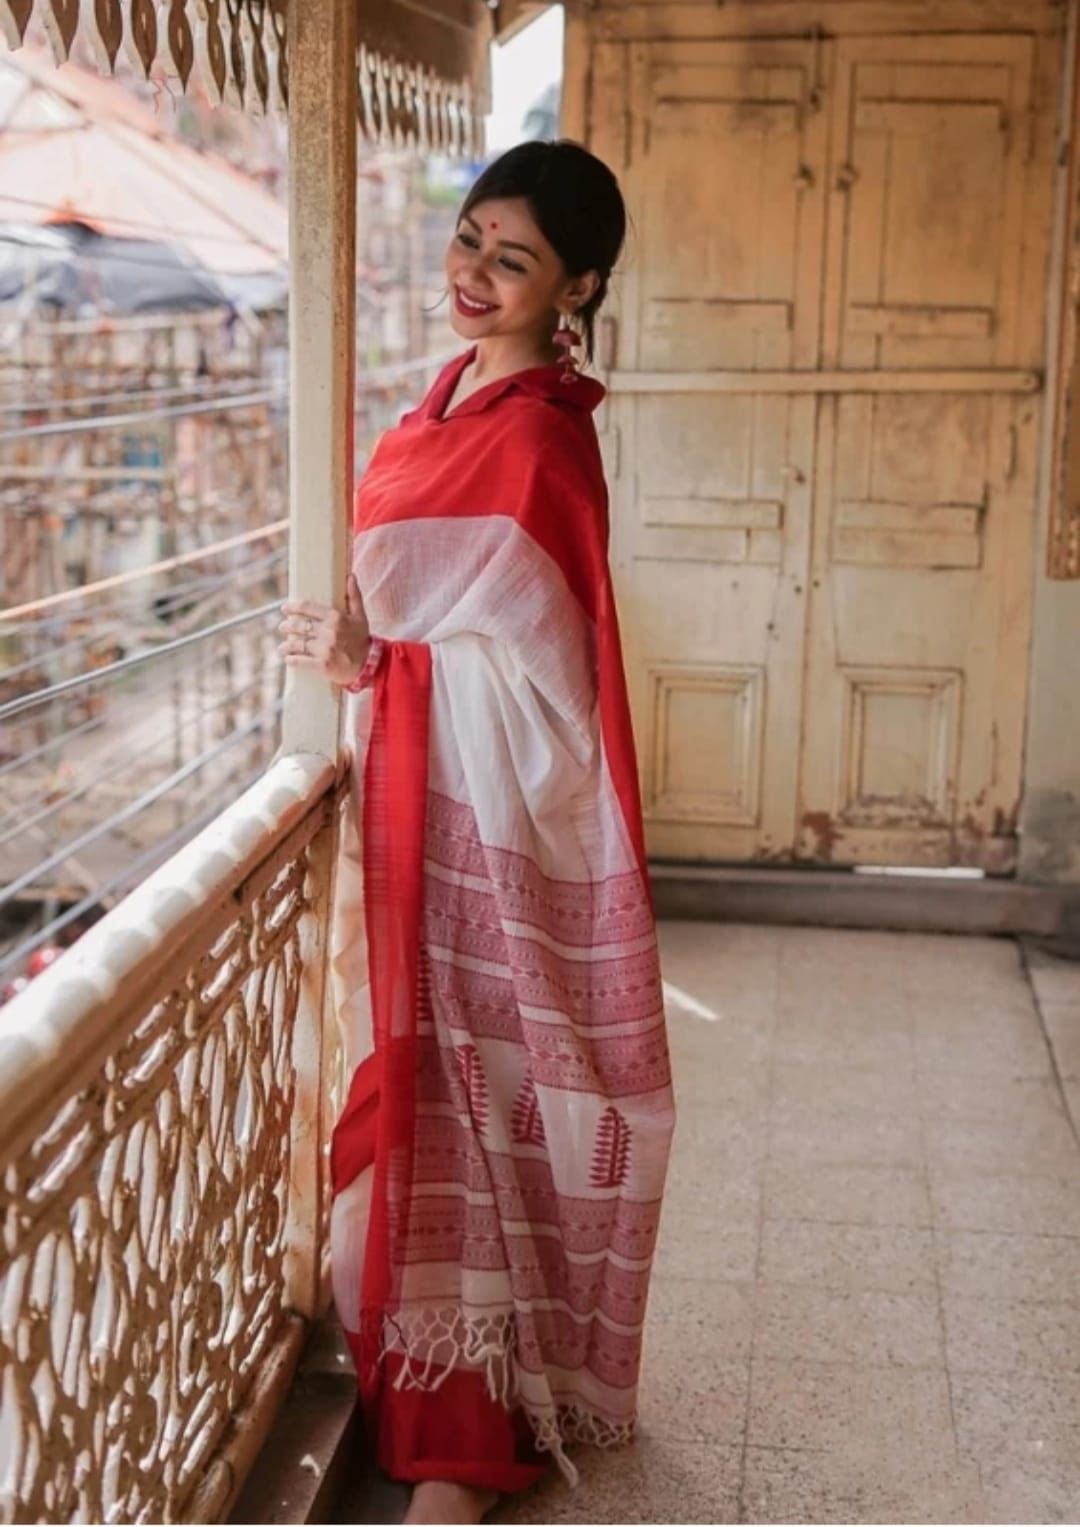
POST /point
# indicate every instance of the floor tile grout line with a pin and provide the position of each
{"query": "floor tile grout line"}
(932, 1159)
(1025, 965)
(851, 1290)
(776, 964)
(936, 1250)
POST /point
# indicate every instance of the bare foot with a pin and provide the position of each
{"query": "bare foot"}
(437, 1500)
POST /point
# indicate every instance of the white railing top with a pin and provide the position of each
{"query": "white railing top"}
(78, 1009)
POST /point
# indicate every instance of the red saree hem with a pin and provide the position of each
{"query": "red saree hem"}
(455, 1433)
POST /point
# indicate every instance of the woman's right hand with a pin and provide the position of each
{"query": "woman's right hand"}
(336, 641)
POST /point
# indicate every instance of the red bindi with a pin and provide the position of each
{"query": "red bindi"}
(493, 225)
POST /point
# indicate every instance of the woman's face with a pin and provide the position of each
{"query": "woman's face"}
(504, 276)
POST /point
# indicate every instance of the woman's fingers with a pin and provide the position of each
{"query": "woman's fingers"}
(303, 660)
(295, 625)
(322, 637)
(306, 607)
(298, 649)
(309, 639)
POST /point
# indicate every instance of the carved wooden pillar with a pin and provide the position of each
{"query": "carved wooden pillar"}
(322, 239)
(322, 346)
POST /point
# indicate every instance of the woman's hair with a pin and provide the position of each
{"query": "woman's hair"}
(576, 202)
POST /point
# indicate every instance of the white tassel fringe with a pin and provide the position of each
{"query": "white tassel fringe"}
(433, 1341)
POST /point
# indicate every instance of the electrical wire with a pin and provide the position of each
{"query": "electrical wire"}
(65, 686)
(140, 416)
(127, 878)
(136, 751)
(168, 603)
(367, 380)
(277, 527)
(53, 742)
(83, 840)
(227, 397)
(95, 400)
(81, 729)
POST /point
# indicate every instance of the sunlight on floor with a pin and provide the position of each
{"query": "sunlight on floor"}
(682, 999)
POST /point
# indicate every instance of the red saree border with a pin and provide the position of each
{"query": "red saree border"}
(378, 1120)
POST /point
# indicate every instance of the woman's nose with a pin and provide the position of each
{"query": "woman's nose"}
(477, 270)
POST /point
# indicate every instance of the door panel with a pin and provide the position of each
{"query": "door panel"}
(821, 438)
(923, 522)
(932, 138)
(711, 521)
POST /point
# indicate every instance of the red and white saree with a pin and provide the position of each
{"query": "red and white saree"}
(518, 1104)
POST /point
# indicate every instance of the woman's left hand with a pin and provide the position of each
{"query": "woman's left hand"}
(319, 636)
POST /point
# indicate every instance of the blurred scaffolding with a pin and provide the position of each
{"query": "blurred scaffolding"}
(143, 480)
(142, 547)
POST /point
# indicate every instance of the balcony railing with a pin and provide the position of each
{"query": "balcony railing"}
(167, 1090)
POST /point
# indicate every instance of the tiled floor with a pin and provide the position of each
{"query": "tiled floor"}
(866, 1304)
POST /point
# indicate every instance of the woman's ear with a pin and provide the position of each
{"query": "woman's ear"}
(580, 288)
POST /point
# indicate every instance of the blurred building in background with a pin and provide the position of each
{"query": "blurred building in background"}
(143, 461)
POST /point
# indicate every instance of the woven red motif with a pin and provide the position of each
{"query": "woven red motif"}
(527, 1123)
(475, 1083)
(611, 1159)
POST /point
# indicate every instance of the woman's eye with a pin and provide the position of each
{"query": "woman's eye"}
(470, 242)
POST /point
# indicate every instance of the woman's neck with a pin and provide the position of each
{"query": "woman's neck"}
(503, 354)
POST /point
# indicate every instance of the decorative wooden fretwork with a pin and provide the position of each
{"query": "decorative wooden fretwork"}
(164, 1175)
(422, 70)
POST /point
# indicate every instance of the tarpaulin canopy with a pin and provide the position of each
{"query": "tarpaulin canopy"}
(72, 270)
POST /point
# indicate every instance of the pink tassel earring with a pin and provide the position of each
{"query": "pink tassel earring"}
(566, 338)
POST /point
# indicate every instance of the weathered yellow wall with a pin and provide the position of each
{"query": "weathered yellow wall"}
(936, 606)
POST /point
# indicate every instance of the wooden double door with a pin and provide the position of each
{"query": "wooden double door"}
(824, 374)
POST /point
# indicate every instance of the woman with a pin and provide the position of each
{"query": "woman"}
(518, 1108)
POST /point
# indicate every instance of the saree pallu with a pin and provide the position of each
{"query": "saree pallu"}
(518, 1103)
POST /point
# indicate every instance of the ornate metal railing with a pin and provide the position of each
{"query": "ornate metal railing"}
(166, 1091)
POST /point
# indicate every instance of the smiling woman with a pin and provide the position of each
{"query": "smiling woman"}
(537, 236)
(518, 1110)
(506, 279)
